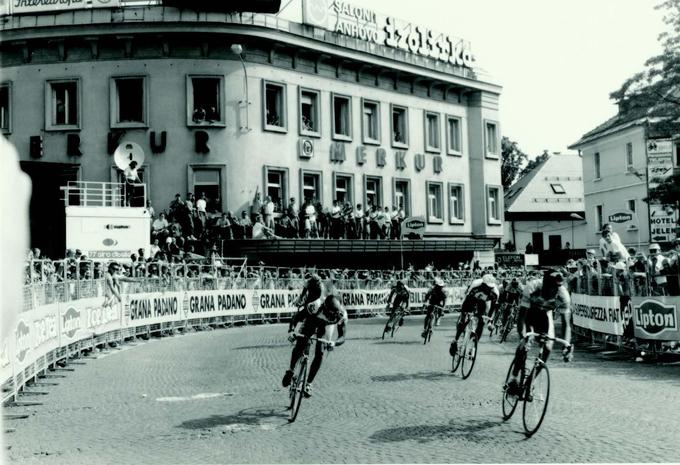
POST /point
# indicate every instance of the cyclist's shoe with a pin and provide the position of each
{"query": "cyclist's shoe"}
(308, 390)
(453, 348)
(423, 334)
(287, 378)
(568, 353)
(512, 388)
(401, 321)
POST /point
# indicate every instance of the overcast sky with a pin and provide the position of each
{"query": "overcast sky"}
(557, 60)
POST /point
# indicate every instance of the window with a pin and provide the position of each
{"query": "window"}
(399, 127)
(558, 188)
(373, 189)
(453, 136)
(311, 186)
(435, 208)
(631, 205)
(62, 105)
(204, 100)
(596, 160)
(491, 140)
(402, 196)
(371, 122)
(432, 139)
(276, 186)
(342, 117)
(629, 155)
(456, 204)
(310, 118)
(598, 218)
(493, 204)
(274, 110)
(5, 110)
(208, 180)
(343, 188)
(128, 102)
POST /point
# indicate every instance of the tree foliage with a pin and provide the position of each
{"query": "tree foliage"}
(512, 159)
(534, 163)
(667, 193)
(655, 92)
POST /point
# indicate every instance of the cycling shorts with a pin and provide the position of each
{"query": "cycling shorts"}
(540, 321)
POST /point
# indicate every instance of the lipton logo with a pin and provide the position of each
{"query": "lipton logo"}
(70, 322)
(117, 226)
(109, 242)
(620, 217)
(653, 317)
(415, 224)
(23, 343)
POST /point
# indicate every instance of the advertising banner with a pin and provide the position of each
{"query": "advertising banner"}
(152, 308)
(600, 313)
(509, 260)
(36, 333)
(40, 6)
(656, 318)
(413, 226)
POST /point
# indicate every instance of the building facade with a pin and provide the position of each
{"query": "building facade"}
(544, 210)
(234, 104)
(622, 159)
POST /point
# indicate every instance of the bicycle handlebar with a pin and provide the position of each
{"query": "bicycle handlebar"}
(545, 336)
(325, 341)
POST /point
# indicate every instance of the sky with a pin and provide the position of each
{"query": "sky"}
(557, 60)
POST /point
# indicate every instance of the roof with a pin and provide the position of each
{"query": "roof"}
(555, 185)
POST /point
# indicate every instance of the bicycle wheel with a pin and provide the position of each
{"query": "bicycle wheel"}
(536, 399)
(455, 360)
(509, 402)
(469, 355)
(387, 325)
(428, 329)
(395, 326)
(299, 381)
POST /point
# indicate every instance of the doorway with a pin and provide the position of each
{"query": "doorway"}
(537, 241)
(47, 215)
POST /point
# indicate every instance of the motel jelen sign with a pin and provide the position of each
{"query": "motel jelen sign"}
(365, 24)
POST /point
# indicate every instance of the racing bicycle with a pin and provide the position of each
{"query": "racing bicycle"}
(466, 353)
(394, 321)
(534, 388)
(296, 391)
(430, 318)
(508, 323)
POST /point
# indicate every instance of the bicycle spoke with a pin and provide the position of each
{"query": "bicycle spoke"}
(536, 401)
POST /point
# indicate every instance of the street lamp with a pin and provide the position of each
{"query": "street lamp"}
(237, 49)
(574, 216)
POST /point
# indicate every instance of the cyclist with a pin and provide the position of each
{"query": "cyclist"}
(481, 294)
(398, 300)
(510, 295)
(317, 318)
(540, 298)
(435, 299)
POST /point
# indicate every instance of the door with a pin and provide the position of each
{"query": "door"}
(555, 242)
(537, 241)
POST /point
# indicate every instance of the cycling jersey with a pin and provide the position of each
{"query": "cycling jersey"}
(435, 296)
(479, 293)
(312, 290)
(532, 298)
(398, 298)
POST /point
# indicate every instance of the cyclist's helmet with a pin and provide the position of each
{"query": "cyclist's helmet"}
(488, 280)
(399, 283)
(438, 282)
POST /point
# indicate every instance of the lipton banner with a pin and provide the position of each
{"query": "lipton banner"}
(656, 318)
(600, 313)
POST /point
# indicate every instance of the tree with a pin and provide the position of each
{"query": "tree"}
(667, 193)
(534, 163)
(655, 92)
(512, 159)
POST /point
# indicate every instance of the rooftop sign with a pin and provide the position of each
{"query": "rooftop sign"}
(39, 6)
(365, 24)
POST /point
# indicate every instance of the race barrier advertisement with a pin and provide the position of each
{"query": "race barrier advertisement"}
(600, 313)
(656, 318)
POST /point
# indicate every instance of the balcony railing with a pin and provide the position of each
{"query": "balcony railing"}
(104, 194)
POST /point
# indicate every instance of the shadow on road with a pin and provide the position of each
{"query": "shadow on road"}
(246, 417)
(264, 346)
(403, 343)
(423, 375)
(474, 430)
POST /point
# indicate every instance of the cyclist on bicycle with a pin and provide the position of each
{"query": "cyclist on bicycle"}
(435, 299)
(510, 295)
(540, 298)
(398, 300)
(478, 299)
(317, 318)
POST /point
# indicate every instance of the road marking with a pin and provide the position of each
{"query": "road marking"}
(201, 396)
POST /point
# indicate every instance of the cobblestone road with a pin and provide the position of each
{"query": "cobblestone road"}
(215, 397)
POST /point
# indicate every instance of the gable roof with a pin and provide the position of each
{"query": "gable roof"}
(555, 185)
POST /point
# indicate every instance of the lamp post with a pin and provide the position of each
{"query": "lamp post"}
(237, 49)
(574, 216)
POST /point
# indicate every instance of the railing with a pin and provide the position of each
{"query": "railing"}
(104, 194)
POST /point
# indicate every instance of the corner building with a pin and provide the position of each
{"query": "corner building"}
(301, 112)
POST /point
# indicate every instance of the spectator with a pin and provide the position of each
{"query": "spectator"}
(268, 209)
(657, 264)
(260, 231)
(293, 214)
(256, 206)
(387, 224)
(140, 254)
(245, 226)
(529, 248)
(201, 208)
(159, 227)
(396, 222)
(335, 220)
(131, 177)
(612, 251)
(225, 226)
(615, 239)
(310, 220)
(150, 209)
(359, 226)
(155, 248)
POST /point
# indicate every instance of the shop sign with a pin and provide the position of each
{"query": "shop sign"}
(662, 222)
(659, 161)
(39, 6)
(509, 260)
(365, 24)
